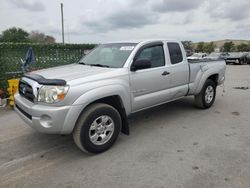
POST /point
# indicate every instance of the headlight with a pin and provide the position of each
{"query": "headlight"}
(52, 94)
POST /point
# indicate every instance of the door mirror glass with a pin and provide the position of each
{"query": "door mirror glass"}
(140, 64)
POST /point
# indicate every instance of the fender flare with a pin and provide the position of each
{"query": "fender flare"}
(203, 79)
(99, 93)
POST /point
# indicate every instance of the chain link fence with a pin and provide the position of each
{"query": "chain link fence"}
(47, 55)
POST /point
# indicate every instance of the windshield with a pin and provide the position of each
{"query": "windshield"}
(109, 55)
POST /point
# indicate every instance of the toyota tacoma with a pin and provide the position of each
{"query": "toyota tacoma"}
(93, 98)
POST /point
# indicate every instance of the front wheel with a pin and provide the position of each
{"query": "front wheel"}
(206, 97)
(97, 128)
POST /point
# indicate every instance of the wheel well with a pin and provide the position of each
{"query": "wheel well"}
(117, 103)
(214, 77)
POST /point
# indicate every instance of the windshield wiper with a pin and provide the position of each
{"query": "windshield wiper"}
(98, 65)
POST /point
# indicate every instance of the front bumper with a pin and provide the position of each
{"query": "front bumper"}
(47, 119)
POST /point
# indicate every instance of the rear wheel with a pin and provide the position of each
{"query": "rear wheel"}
(97, 128)
(206, 97)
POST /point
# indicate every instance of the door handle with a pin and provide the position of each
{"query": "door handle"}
(165, 73)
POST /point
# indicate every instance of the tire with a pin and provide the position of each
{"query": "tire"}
(206, 97)
(241, 62)
(100, 121)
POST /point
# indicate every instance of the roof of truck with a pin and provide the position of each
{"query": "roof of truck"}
(140, 40)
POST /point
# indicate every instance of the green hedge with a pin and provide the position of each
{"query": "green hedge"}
(47, 55)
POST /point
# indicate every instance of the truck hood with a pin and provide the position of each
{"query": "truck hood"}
(74, 71)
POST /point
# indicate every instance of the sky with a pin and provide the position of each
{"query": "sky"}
(98, 21)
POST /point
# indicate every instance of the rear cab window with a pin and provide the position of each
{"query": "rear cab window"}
(175, 52)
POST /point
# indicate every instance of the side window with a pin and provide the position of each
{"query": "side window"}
(154, 54)
(175, 52)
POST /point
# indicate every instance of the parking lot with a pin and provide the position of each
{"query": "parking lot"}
(173, 145)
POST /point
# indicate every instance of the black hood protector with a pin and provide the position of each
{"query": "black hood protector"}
(43, 81)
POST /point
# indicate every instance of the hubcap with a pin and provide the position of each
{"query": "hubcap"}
(101, 130)
(209, 94)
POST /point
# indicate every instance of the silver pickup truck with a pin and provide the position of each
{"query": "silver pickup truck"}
(93, 97)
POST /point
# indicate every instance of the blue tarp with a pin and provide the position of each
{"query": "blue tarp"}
(29, 59)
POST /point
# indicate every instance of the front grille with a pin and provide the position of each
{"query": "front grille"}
(26, 90)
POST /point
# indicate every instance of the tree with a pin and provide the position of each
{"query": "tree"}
(208, 47)
(49, 39)
(14, 35)
(200, 47)
(242, 47)
(228, 47)
(39, 37)
(188, 45)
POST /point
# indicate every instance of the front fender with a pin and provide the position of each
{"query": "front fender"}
(105, 91)
(89, 97)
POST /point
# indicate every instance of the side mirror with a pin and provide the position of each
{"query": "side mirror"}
(140, 64)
